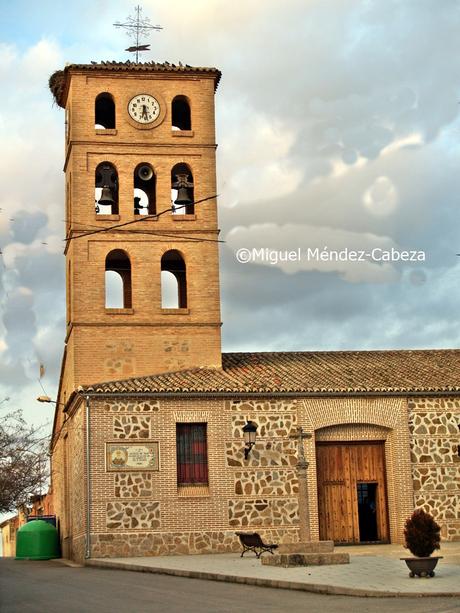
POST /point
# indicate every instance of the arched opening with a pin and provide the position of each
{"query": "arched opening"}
(173, 281)
(352, 473)
(144, 190)
(181, 117)
(169, 290)
(104, 113)
(182, 190)
(106, 189)
(118, 294)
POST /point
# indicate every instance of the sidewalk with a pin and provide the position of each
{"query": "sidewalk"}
(374, 570)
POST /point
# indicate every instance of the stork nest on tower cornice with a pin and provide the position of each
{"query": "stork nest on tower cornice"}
(58, 80)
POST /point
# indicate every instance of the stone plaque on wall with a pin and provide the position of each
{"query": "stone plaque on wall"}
(131, 456)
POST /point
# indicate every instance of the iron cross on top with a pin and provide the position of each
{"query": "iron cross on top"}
(137, 27)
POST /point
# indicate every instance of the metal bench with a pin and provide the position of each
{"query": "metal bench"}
(252, 541)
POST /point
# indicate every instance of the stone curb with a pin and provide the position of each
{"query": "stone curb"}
(67, 562)
(317, 588)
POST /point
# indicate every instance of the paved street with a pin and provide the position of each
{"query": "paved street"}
(372, 571)
(52, 587)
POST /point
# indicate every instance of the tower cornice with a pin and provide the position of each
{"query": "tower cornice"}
(60, 80)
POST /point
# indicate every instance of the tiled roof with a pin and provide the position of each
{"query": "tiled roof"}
(309, 373)
(58, 80)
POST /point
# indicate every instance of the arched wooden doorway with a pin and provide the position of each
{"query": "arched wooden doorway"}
(352, 498)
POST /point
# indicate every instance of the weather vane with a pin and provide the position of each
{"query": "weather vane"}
(137, 27)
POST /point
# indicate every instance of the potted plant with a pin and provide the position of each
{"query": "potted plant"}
(422, 537)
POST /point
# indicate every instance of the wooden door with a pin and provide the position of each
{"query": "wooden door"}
(341, 467)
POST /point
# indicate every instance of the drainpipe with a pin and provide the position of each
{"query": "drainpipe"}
(88, 484)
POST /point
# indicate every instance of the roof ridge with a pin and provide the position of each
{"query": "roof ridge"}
(347, 351)
(397, 371)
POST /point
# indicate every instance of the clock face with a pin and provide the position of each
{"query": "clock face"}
(144, 108)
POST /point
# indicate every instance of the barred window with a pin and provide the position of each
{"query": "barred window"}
(192, 454)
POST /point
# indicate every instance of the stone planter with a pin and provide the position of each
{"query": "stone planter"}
(422, 567)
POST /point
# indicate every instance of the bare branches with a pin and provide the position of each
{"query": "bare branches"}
(24, 461)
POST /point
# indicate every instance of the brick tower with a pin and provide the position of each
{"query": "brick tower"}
(142, 280)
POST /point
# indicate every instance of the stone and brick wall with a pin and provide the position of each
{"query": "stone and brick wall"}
(435, 439)
(144, 512)
(364, 418)
(68, 482)
(268, 486)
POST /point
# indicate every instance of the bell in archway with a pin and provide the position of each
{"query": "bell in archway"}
(183, 197)
(106, 197)
(182, 184)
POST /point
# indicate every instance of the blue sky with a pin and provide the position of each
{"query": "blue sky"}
(338, 126)
(24, 22)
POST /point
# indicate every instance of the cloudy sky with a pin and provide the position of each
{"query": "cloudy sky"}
(338, 128)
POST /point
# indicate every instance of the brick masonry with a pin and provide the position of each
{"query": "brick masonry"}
(190, 521)
(109, 344)
(145, 512)
(434, 432)
(68, 482)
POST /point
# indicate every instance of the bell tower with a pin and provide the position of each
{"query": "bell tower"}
(141, 220)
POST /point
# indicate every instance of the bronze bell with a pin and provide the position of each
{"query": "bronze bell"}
(182, 184)
(106, 196)
(183, 197)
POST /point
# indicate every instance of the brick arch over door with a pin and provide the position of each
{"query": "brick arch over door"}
(359, 419)
(346, 456)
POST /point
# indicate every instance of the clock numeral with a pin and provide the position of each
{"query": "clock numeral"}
(144, 108)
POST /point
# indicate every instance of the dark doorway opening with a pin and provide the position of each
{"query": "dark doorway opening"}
(367, 511)
(347, 471)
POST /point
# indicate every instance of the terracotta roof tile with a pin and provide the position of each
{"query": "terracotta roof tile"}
(58, 80)
(308, 372)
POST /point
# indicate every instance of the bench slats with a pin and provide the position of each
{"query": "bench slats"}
(252, 541)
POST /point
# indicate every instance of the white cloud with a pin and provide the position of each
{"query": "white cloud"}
(329, 117)
(381, 198)
(255, 157)
(302, 238)
(31, 203)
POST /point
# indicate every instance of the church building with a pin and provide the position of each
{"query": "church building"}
(150, 448)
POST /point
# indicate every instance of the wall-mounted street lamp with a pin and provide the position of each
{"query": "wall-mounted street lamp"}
(249, 433)
(45, 399)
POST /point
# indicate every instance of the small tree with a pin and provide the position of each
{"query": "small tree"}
(24, 461)
(422, 534)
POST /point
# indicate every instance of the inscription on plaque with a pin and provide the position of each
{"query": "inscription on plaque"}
(132, 456)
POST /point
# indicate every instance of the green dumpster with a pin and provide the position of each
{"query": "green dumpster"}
(37, 540)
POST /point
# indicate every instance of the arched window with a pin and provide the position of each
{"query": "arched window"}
(182, 190)
(118, 280)
(144, 190)
(181, 118)
(106, 189)
(104, 112)
(173, 281)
